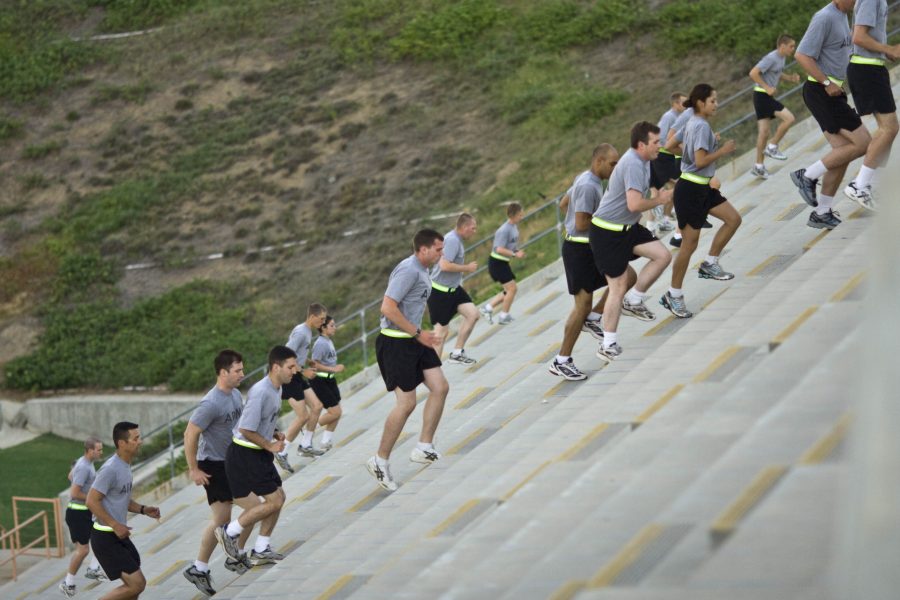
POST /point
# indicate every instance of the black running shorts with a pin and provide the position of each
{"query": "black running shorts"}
(217, 490)
(250, 471)
(500, 271)
(327, 390)
(80, 525)
(114, 555)
(581, 271)
(765, 105)
(613, 250)
(403, 361)
(871, 89)
(832, 113)
(664, 169)
(442, 305)
(295, 388)
(693, 202)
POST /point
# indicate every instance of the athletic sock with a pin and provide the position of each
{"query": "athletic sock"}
(560, 359)
(201, 566)
(825, 204)
(609, 338)
(773, 146)
(381, 462)
(713, 260)
(759, 166)
(326, 436)
(634, 296)
(95, 564)
(502, 314)
(307, 438)
(488, 308)
(262, 542)
(594, 316)
(676, 292)
(287, 446)
(816, 170)
(425, 446)
(70, 579)
(234, 529)
(676, 236)
(864, 177)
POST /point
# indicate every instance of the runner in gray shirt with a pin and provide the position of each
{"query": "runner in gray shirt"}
(78, 517)
(447, 294)
(505, 248)
(617, 237)
(206, 440)
(824, 53)
(406, 356)
(767, 75)
(110, 501)
(870, 84)
(325, 382)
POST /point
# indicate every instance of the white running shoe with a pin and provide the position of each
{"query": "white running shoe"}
(862, 196)
(381, 475)
(566, 370)
(426, 457)
(610, 353)
(773, 152)
(487, 312)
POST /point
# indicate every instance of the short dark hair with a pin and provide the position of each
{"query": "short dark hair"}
(513, 209)
(784, 38)
(91, 443)
(464, 219)
(279, 354)
(603, 150)
(328, 319)
(315, 309)
(225, 359)
(121, 432)
(700, 93)
(640, 132)
(677, 96)
(425, 238)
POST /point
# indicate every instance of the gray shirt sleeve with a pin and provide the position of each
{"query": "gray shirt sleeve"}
(105, 481)
(452, 247)
(320, 349)
(501, 237)
(400, 283)
(203, 415)
(81, 475)
(585, 199)
(252, 414)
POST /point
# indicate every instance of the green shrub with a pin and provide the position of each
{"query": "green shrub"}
(39, 151)
(10, 128)
(445, 30)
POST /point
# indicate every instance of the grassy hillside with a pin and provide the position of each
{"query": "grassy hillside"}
(328, 130)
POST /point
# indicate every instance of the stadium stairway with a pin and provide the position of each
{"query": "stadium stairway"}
(704, 463)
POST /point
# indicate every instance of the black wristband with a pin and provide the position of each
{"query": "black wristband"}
(142, 508)
(418, 331)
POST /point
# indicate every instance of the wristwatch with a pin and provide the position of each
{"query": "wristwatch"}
(825, 82)
(418, 331)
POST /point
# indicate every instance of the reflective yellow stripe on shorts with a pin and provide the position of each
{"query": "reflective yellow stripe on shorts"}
(578, 239)
(245, 444)
(609, 226)
(100, 527)
(325, 375)
(835, 80)
(865, 60)
(759, 88)
(442, 288)
(395, 334)
(695, 178)
(664, 151)
(499, 257)
(76, 506)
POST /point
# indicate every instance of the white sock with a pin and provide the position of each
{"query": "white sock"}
(287, 446)
(283, 452)
(70, 579)
(201, 566)
(825, 204)
(864, 177)
(609, 338)
(262, 542)
(234, 529)
(425, 446)
(307, 438)
(594, 316)
(759, 166)
(502, 314)
(676, 292)
(634, 296)
(326, 436)
(676, 236)
(488, 308)
(712, 259)
(95, 564)
(455, 352)
(772, 147)
(816, 170)
(561, 359)
(381, 462)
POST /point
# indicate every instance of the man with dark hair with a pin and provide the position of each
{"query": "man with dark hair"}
(299, 394)
(406, 356)
(447, 294)
(504, 249)
(252, 477)
(617, 237)
(767, 74)
(824, 53)
(206, 440)
(109, 499)
(666, 167)
(78, 517)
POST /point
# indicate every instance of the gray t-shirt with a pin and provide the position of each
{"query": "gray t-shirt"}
(455, 252)
(409, 286)
(770, 68)
(681, 122)
(114, 482)
(323, 351)
(872, 14)
(299, 342)
(261, 411)
(698, 135)
(665, 122)
(631, 173)
(507, 236)
(584, 197)
(828, 41)
(83, 475)
(216, 416)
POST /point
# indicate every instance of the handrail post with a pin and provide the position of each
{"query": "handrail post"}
(46, 536)
(365, 345)
(171, 453)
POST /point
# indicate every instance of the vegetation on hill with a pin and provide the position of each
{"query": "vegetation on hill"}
(331, 129)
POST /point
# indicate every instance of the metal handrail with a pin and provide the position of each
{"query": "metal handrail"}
(14, 539)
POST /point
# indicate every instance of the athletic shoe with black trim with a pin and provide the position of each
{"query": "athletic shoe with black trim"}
(266, 557)
(594, 328)
(487, 313)
(95, 574)
(761, 173)
(676, 306)
(310, 451)
(638, 311)
(609, 353)
(505, 319)
(326, 446)
(806, 186)
(381, 475)
(566, 370)
(666, 224)
(774, 152)
(238, 566)
(714, 271)
(67, 590)
(283, 462)
(461, 358)
(425, 457)
(862, 196)
(229, 544)
(826, 221)
(203, 581)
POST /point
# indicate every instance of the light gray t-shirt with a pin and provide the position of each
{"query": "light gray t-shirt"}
(455, 252)
(665, 122)
(409, 286)
(323, 351)
(681, 122)
(631, 173)
(828, 41)
(771, 66)
(261, 411)
(698, 135)
(299, 341)
(114, 482)
(507, 236)
(872, 14)
(83, 475)
(584, 197)
(216, 416)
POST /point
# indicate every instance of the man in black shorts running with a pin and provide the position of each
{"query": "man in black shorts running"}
(78, 517)
(767, 74)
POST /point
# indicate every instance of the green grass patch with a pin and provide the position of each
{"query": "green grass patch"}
(39, 151)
